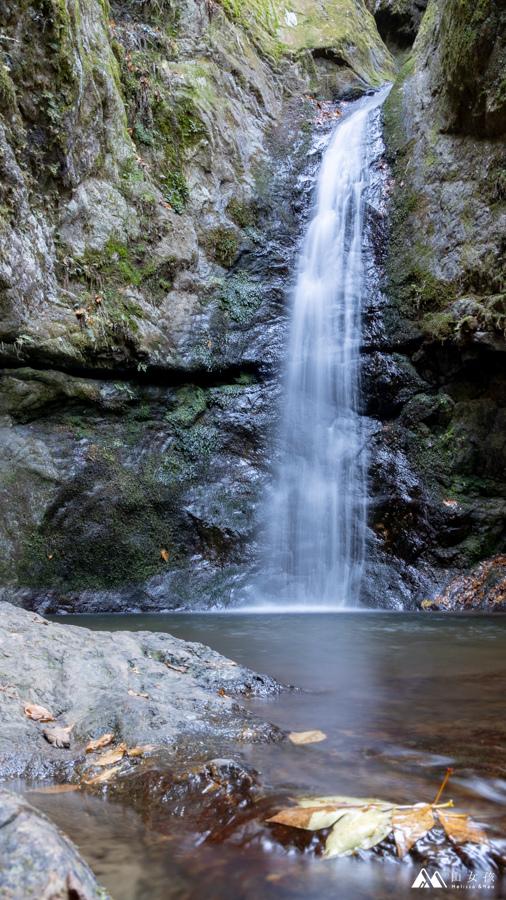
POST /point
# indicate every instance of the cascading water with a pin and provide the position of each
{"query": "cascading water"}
(318, 515)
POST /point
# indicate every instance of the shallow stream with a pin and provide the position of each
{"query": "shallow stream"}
(399, 696)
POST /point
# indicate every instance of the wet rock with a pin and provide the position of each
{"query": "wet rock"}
(37, 859)
(484, 588)
(143, 688)
(398, 21)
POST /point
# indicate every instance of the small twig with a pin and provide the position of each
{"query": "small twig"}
(7, 691)
(449, 772)
(176, 668)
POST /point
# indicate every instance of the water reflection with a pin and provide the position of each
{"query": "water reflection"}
(399, 696)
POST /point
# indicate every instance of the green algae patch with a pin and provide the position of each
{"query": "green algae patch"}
(347, 28)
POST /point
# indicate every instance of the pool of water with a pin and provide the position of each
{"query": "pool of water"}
(400, 697)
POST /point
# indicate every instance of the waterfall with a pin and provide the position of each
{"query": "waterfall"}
(317, 519)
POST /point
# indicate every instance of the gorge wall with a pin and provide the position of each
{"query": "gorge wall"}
(149, 220)
(435, 376)
(155, 163)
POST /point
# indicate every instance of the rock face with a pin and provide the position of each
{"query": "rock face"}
(37, 859)
(436, 377)
(398, 21)
(483, 589)
(149, 214)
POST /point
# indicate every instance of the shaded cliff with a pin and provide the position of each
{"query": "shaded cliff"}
(435, 374)
(149, 215)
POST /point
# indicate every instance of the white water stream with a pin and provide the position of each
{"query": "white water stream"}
(318, 515)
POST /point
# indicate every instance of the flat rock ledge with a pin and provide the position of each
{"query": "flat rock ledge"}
(143, 688)
(37, 859)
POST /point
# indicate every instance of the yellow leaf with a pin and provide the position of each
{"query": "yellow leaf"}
(141, 749)
(55, 789)
(111, 756)
(358, 829)
(307, 737)
(164, 554)
(461, 829)
(99, 743)
(411, 824)
(38, 713)
(342, 802)
(102, 776)
(312, 818)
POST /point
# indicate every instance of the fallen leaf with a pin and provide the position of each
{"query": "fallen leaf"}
(80, 313)
(102, 776)
(461, 829)
(58, 736)
(307, 737)
(38, 713)
(141, 749)
(135, 694)
(164, 554)
(345, 802)
(358, 829)
(410, 825)
(111, 756)
(135, 671)
(311, 818)
(99, 743)
(55, 789)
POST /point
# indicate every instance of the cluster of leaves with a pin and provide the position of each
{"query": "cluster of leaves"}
(359, 824)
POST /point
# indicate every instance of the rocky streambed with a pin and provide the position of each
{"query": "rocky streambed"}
(160, 711)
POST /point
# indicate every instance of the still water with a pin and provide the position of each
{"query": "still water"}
(399, 696)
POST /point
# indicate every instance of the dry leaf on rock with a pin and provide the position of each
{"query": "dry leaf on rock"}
(58, 736)
(307, 737)
(358, 829)
(410, 825)
(461, 829)
(55, 789)
(142, 748)
(99, 743)
(312, 818)
(38, 713)
(135, 694)
(111, 756)
(102, 776)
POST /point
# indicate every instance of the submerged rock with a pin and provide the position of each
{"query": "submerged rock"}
(37, 859)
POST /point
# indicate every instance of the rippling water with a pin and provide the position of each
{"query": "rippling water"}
(400, 698)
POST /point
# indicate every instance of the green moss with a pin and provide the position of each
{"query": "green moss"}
(240, 297)
(243, 214)
(223, 245)
(189, 403)
(439, 326)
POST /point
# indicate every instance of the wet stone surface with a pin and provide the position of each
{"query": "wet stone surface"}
(37, 859)
(143, 688)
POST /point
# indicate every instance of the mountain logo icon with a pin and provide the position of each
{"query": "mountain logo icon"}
(424, 880)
